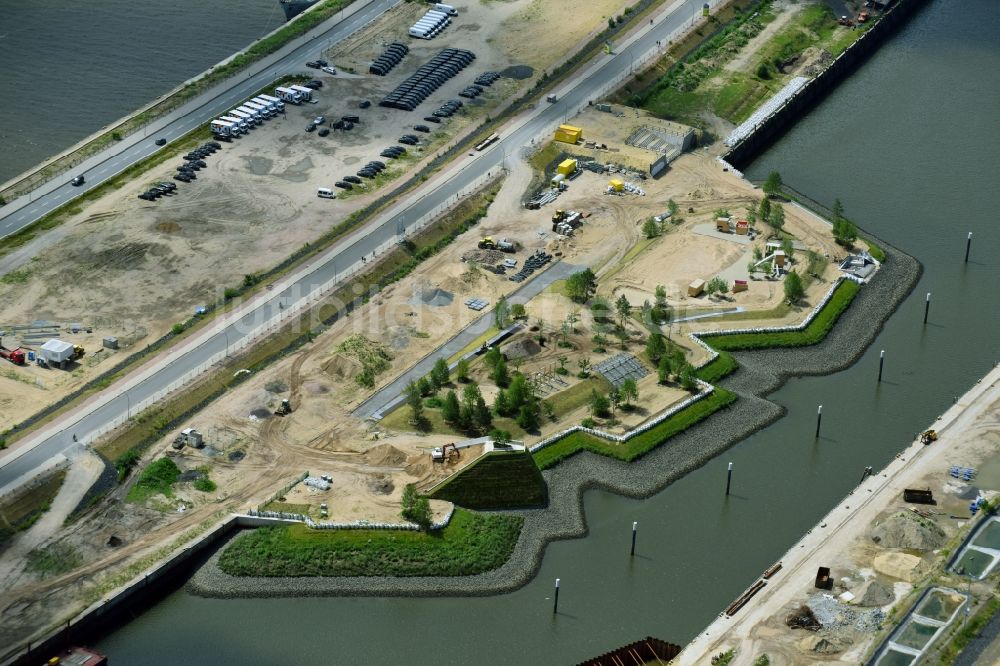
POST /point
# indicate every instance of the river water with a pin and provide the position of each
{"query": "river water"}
(906, 143)
(69, 68)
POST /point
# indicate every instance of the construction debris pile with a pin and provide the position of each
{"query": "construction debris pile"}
(531, 264)
(832, 614)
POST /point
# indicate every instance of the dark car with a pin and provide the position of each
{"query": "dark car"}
(313, 64)
(432, 119)
(422, 128)
(345, 185)
(201, 163)
(380, 165)
(310, 127)
(214, 144)
(76, 182)
(161, 142)
(169, 186)
(182, 177)
(315, 85)
(367, 173)
(145, 195)
(364, 104)
(352, 179)
(321, 62)
(323, 132)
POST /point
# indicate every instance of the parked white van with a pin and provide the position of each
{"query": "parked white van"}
(325, 193)
(447, 9)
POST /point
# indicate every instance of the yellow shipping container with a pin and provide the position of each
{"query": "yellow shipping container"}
(569, 134)
(616, 185)
(566, 167)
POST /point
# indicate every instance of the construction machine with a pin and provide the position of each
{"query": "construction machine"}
(487, 243)
(928, 436)
(445, 454)
(284, 409)
(15, 356)
(77, 352)
(504, 245)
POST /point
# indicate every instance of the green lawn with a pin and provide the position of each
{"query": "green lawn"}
(472, 543)
(640, 444)
(810, 335)
(498, 480)
(157, 479)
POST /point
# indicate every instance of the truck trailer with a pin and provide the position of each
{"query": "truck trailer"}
(222, 128)
(278, 104)
(267, 104)
(307, 93)
(238, 123)
(288, 95)
(256, 116)
(263, 109)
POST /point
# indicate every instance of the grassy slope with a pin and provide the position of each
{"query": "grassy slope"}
(472, 543)
(497, 480)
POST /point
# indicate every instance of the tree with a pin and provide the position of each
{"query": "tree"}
(561, 370)
(482, 418)
(528, 417)
(440, 374)
(764, 210)
(686, 378)
(415, 508)
(672, 207)
(661, 310)
(717, 285)
(777, 218)
(581, 286)
(500, 437)
(787, 247)
(416, 403)
(501, 313)
(462, 371)
(584, 364)
(450, 409)
(425, 387)
(844, 232)
(599, 404)
(615, 398)
(492, 357)
(650, 228)
(838, 210)
(773, 183)
(500, 404)
(629, 391)
(500, 375)
(793, 287)
(517, 311)
(663, 370)
(655, 347)
(623, 308)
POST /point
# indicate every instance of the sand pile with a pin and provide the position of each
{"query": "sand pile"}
(902, 566)
(908, 531)
(385, 455)
(342, 367)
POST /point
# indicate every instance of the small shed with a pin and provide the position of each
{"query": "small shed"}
(569, 134)
(56, 351)
(567, 167)
(722, 224)
(696, 288)
(616, 185)
(779, 258)
(742, 227)
(740, 285)
(192, 438)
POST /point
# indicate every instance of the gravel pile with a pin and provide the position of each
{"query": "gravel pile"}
(762, 373)
(834, 615)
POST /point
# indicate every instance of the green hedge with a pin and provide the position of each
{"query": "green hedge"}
(498, 480)
(810, 335)
(640, 444)
(471, 543)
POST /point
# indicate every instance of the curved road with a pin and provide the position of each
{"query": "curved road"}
(119, 400)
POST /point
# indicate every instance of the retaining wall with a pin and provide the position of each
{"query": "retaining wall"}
(812, 93)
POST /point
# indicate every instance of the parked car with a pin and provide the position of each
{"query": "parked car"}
(323, 132)
(364, 104)
(329, 70)
(310, 127)
(77, 182)
(315, 84)
(319, 120)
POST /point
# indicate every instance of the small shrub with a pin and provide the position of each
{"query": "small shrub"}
(205, 485)
(177, 329)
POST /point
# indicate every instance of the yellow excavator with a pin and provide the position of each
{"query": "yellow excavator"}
(928, 436)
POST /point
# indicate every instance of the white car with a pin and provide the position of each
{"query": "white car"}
(329, 70)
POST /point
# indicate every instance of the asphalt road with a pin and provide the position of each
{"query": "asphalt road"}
(290, 59)
(332, 265)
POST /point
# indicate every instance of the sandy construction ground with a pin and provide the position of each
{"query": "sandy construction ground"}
(131, 269)
(843, 539)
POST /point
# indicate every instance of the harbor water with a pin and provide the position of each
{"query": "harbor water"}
(906, 144)
(68, 69)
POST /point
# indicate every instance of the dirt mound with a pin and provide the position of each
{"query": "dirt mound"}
(342, 367)
(823, 644)
(420, 468)
(898, 565)
(908, 531)
(385, 455)
(434, 297)
(877, 594)
(524, 348)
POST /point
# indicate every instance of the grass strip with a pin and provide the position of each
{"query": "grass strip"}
(810, 335)
(495, 481)
(723, 365)
(639, 445)
(471, 543)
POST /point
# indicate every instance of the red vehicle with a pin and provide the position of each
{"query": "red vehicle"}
(15, 356)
